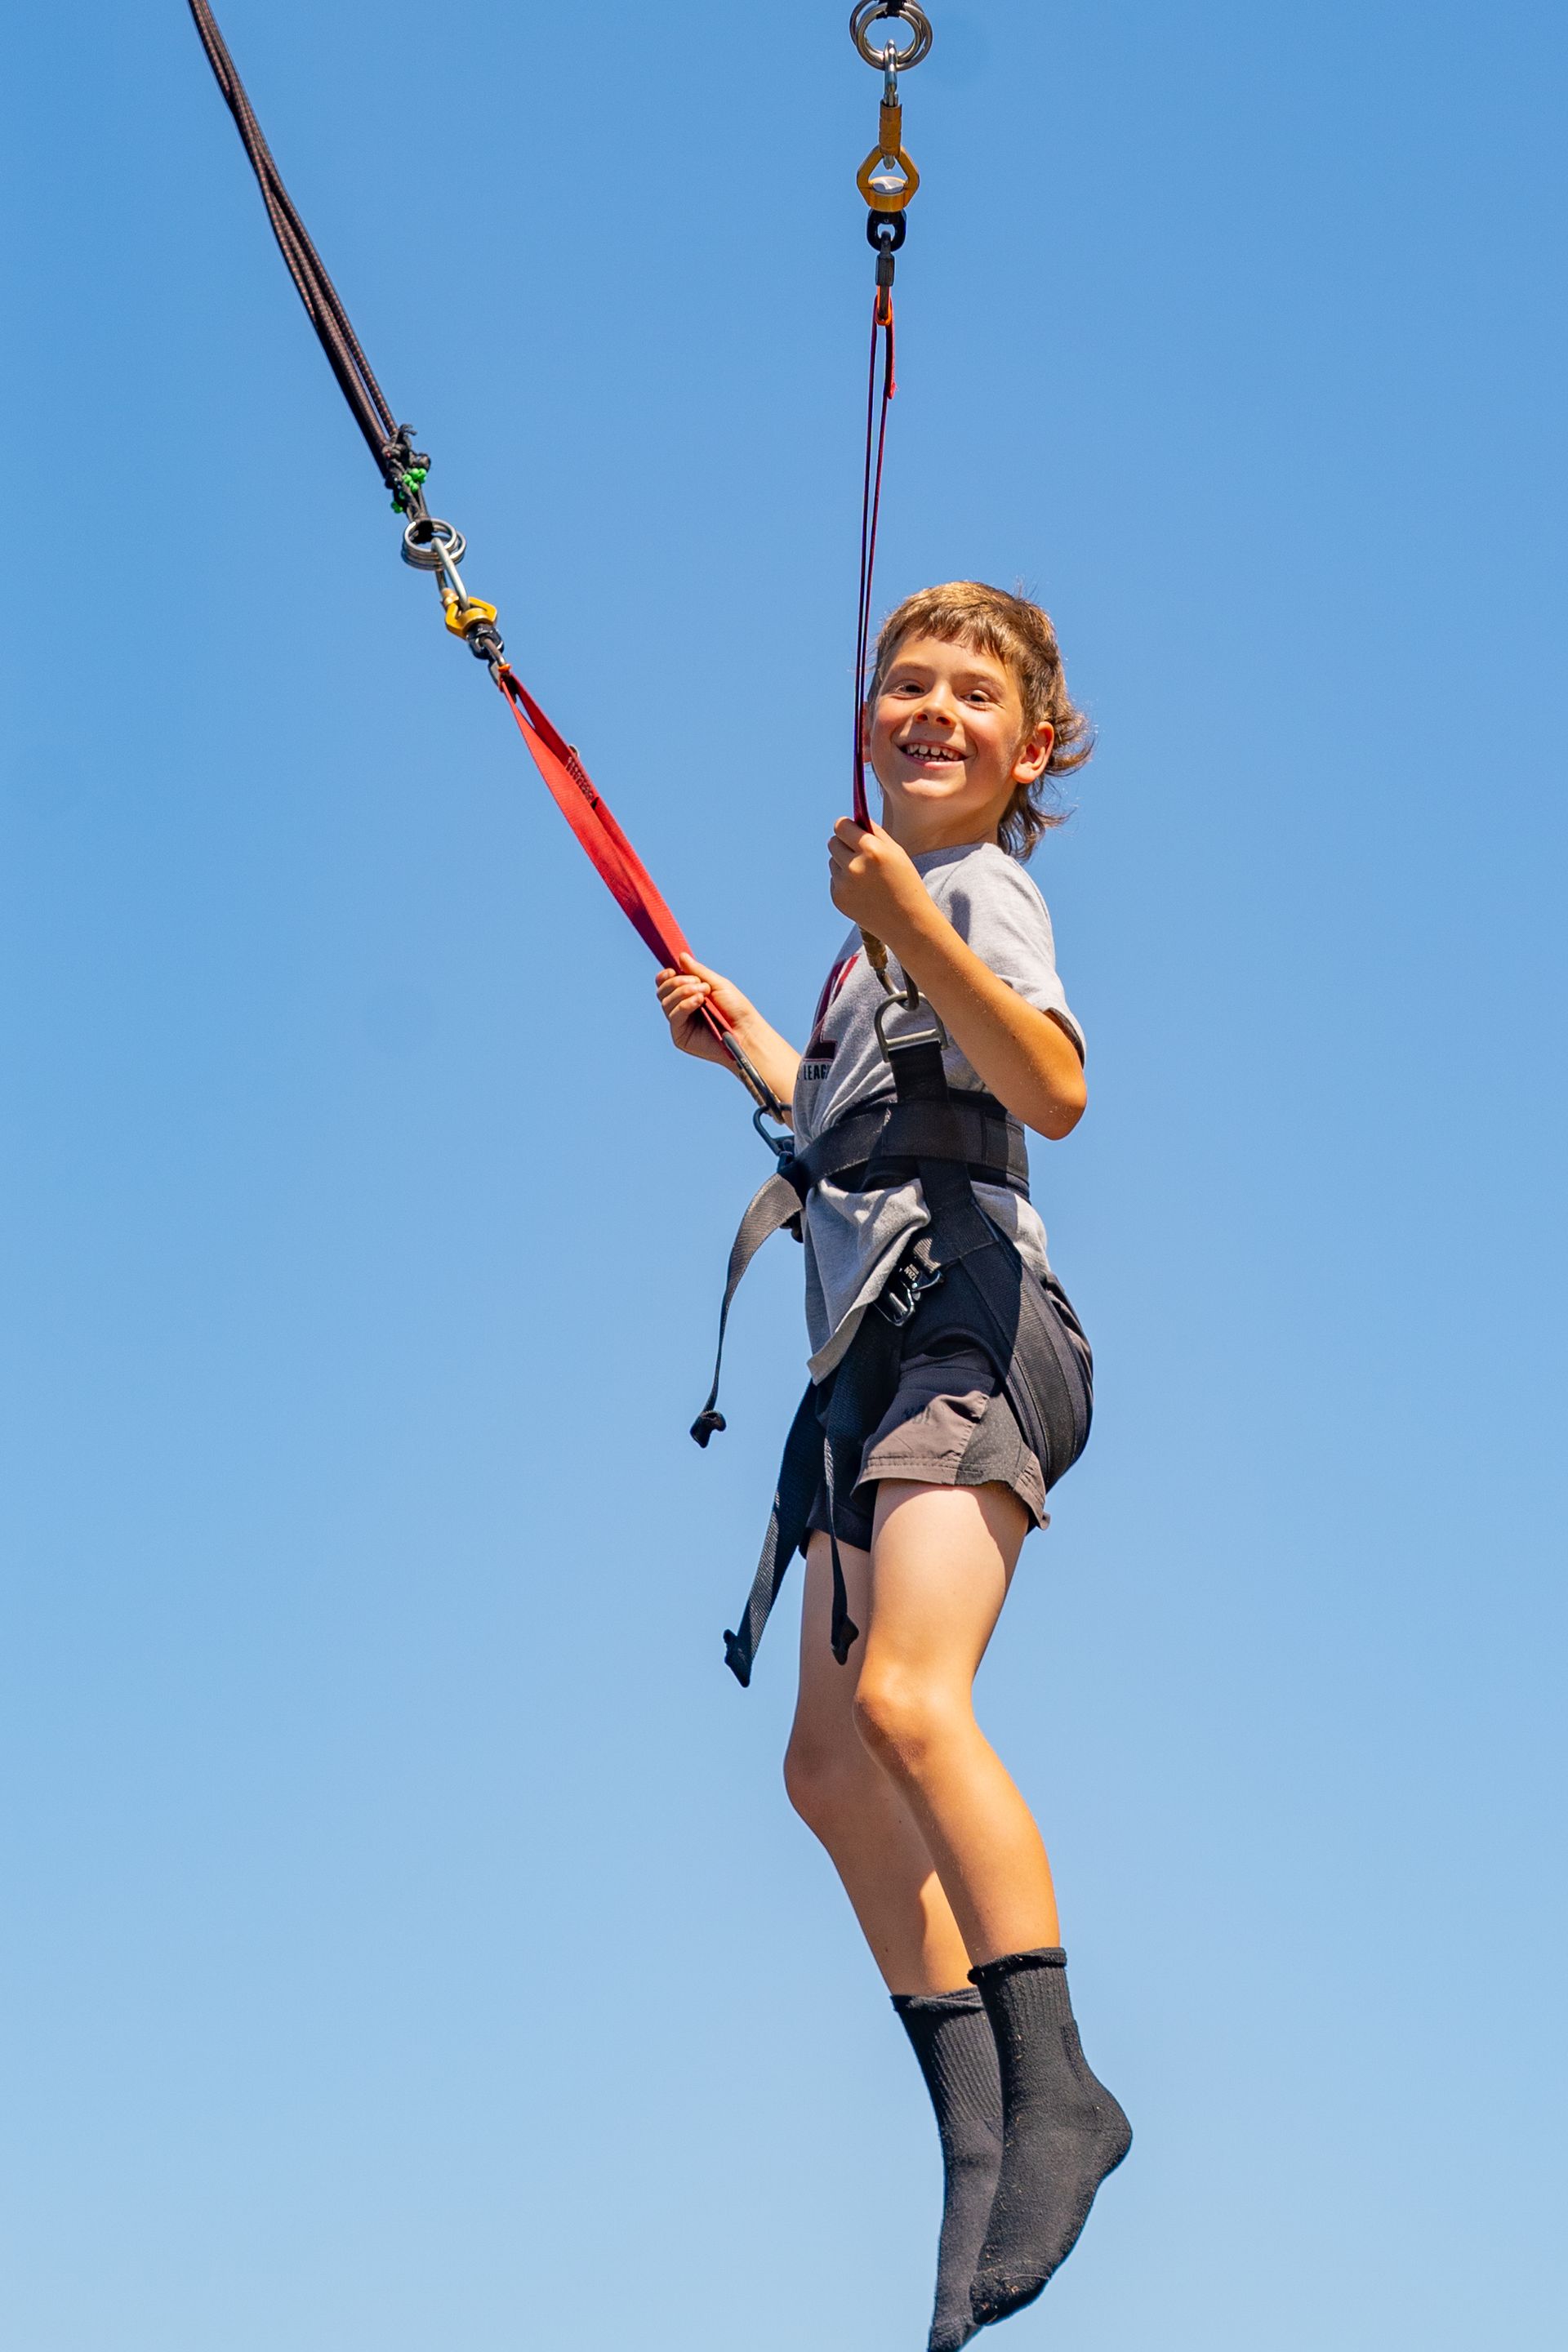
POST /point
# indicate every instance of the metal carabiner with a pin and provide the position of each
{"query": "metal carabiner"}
(908, 995)
(782, 1145)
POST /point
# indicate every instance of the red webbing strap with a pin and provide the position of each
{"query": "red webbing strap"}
(871, 507)
(614, 858)
(611, 853)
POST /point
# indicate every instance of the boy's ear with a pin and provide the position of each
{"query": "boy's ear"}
(1034, 755)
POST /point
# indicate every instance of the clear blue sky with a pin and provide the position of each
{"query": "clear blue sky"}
(408, 1945)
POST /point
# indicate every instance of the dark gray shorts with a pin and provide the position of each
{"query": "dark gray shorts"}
(948, 1426)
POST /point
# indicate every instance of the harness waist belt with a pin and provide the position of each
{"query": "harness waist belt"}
(882, 1143)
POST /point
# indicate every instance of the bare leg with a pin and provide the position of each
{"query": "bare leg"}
(943, 1861)
(842, 1792)
(941, 1560)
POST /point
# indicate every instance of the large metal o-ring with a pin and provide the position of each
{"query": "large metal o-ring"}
(423, 553)
(867, 12)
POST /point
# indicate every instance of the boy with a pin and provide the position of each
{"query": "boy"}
(951, 1388)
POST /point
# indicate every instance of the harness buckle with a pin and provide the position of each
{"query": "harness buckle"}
(905, 1290)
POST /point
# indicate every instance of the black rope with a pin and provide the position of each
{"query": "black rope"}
(871, 507)
(403, 467)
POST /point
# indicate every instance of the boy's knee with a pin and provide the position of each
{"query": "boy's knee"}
(900, 1719)
(814, 1778)
(827, 1778)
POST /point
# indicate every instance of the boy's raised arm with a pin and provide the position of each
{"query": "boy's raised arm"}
(683, 992)
(1026, 1058)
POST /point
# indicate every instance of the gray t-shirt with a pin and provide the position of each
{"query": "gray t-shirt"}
(853, 1240)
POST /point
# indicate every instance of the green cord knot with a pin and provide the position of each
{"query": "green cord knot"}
(413, 478)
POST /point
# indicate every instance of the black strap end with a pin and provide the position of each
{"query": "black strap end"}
(736, 1659)
(845, 1633)
(706, 1425)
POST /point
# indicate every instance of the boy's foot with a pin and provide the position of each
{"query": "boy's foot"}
(957, 2052)
(1063, 2132)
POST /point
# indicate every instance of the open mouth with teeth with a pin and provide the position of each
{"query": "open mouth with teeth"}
(932, 754)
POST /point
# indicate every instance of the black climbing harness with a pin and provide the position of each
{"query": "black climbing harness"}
(951, 1142)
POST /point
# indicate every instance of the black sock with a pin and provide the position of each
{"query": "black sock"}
(1063, 2131)
(953, 2042)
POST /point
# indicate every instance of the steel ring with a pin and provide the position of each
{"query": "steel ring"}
(867, 12)
(422, 552)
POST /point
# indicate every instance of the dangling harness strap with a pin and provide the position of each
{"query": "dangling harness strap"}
(776, 1204)
(798, 1474)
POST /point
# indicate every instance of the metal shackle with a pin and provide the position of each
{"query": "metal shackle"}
(867, 12)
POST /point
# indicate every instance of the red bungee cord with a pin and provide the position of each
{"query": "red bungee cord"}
(612, 855)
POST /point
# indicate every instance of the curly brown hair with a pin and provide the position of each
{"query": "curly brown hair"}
(1011, 630)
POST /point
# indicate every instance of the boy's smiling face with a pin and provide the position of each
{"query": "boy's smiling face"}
(945, 736)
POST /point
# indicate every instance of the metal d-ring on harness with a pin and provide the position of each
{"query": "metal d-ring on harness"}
(433, 545)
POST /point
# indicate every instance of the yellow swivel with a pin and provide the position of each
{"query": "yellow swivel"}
(464, 613)
(875, 179)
